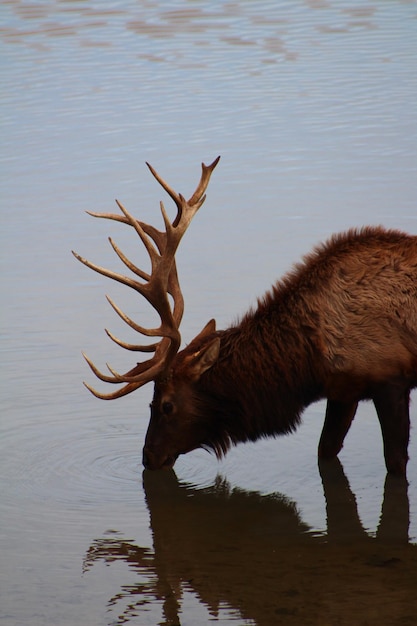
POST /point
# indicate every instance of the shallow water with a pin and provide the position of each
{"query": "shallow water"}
(312, 107)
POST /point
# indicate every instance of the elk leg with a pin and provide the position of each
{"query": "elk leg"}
(339, 416)
(393, 408)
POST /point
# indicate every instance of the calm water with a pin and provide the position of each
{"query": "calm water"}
(312, 107)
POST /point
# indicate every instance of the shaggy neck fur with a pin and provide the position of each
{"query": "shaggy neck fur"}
(263, 379)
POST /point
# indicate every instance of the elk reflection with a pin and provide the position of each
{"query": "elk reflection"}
(254, 554)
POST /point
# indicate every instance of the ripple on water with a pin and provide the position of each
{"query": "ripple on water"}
(79, 467)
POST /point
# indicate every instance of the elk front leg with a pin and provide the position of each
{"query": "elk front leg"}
(339, 416)
(393, 408)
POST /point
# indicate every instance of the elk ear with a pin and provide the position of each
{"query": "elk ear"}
(205, 358)
(208, 329)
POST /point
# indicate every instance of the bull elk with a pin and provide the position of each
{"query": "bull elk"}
(342, 325)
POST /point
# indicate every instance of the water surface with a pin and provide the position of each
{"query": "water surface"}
(312, 108)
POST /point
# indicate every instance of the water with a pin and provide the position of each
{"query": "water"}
(312, 107)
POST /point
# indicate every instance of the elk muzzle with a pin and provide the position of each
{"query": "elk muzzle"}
(153, 460)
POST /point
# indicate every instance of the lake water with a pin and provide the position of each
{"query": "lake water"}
(312, 106)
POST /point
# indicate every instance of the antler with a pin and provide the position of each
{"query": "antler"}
(156, 286)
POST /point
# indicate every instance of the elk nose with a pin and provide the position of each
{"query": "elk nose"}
(152, 460)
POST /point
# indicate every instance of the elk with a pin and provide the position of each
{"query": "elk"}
(341, 325)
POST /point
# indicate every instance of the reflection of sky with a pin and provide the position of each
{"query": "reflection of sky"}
(326, 84)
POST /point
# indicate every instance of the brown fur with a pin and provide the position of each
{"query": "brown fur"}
(341, 325)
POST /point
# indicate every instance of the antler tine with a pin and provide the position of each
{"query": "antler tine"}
(155, 287)
(203, 184)
(148, 332)
(104, 377)
(198, 195)
(174, 195)
(123, 391)
(130, 282)
(128, 262)
(130, 346)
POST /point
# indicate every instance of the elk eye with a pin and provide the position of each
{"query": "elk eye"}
(167, 408)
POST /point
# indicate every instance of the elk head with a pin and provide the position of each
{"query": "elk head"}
(171, 431)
